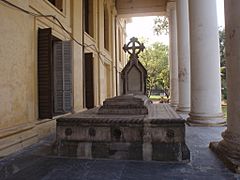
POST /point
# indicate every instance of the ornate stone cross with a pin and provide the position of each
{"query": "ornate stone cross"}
(134, 75)
(134, 47)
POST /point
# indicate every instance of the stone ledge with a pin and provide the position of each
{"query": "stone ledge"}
(125, 105)
(18, 137)
(158, 114)
(232, 164)
(15, 130)
(16, 142)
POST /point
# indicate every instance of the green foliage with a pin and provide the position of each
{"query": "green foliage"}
(221, 32)
(161, 25)
(223, 62)
(165, 80)
(155, 60)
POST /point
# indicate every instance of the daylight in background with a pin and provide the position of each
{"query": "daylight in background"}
(143, 26)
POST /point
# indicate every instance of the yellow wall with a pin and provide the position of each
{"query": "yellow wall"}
(17, 97)
(105, 60)
(77, 55)
(19, 124)
(17, 79)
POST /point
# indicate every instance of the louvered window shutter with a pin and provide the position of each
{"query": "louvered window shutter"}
(45, 85)
(62, 77)
(67, 76)
(58, 77)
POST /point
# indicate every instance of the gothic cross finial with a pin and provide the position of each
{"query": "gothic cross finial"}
(134, 47)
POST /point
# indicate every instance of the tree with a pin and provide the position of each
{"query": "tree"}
(165, 80)
(155, 60)
(223, 62)
(161, 25)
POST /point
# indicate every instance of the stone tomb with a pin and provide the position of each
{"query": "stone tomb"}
(155, 133)
(126, 127)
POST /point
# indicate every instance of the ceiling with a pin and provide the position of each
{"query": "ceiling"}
(131, 8)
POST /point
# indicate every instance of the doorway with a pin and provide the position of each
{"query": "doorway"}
(89, 80)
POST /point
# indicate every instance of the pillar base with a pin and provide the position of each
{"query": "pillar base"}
(230, 163)
(173, 105)
(203, 120)
(183, 109)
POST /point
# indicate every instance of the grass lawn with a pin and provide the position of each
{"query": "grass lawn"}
(155, 97)
(224, 109)
(159, 99)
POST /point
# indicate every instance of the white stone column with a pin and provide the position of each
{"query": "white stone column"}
(183, 55)
(229, 147)
(173, 57)
(205, 64)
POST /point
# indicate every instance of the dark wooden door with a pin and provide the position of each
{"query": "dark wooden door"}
(89, 85)
(45, 78)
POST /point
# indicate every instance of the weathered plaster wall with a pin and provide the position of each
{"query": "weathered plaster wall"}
(17, 68)
(17, 101)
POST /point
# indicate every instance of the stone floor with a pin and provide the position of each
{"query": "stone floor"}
(36, 163)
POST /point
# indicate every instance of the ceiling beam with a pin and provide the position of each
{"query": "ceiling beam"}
(130, 8)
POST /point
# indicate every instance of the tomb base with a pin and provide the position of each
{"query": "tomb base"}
(158, 135)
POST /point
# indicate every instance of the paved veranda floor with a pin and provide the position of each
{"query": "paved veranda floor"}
(33, 163)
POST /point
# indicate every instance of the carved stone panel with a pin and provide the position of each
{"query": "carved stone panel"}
(134, 80)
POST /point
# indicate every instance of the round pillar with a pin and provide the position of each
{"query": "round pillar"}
(183, 55)
(230, 145)
(173, 57)
(205, 64)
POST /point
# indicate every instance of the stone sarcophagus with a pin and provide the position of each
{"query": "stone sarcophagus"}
(156, 134)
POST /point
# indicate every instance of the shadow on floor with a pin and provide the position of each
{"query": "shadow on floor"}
(37, 162)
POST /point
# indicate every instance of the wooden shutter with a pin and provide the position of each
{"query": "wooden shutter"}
(45, 99)
(58, 77)
(59, 4)
(62, 77)
(86, 15)
(67, 76)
